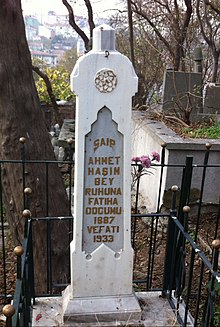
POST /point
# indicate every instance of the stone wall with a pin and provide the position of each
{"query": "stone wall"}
(148, 135)
(66, 111)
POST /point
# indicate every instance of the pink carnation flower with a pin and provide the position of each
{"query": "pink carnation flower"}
(146, 162)
(155, 156)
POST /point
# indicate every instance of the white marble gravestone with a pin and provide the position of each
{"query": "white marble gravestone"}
(101, 253)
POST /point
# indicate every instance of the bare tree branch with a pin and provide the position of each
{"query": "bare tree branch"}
(72, 22)
(90, 16)
(208, 3)
(180, 26)
(187, 17)
(208, 41)
(165, 5)
(209, 36)
(145, 16)
(56, 117)
(176, 10)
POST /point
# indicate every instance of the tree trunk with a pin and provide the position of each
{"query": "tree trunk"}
(21, 116)
(177, 57)
(215, 55)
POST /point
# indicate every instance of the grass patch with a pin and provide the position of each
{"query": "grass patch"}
(209, 132)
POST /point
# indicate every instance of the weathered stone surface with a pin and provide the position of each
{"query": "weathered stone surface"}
(212, 99)
(148, 135)
(182, 91)
(155, 311)
(100, 310)
(67, 132)
(101, 252)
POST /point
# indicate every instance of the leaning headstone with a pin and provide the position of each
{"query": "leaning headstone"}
(181, 91)
(212, 99)
(101, 253)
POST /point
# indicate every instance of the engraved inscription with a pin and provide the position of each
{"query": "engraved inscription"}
(103, 190)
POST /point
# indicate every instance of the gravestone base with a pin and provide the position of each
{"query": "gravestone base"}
(103, 311)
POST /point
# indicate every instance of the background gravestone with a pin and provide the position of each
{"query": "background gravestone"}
(212, 99)
(101, 253)
(182, 91)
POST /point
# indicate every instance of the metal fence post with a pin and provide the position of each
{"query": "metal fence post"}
(171, 240)
(162, 164)
(27, 193)
(8, 311)
(209, 307)
(212, 289)
(18, 251)
(136, 207)
(22, 141)
(180, 259)
(205, 163)
(31, 263)
(27, 215)
(185, 187)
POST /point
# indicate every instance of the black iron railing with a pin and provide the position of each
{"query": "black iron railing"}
(24, 296)
(168, 253)
(22, 170)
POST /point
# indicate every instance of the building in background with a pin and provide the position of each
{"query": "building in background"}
(50, 35)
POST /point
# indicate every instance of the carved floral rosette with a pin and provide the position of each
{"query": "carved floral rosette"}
(105, 80)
